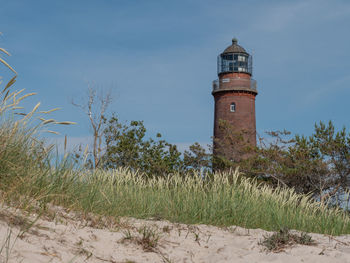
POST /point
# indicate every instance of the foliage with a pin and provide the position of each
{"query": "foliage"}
(126, 146)
(278, 241)
(318, 164)
(197, 158)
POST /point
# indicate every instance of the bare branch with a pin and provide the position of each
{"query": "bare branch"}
(95, 108)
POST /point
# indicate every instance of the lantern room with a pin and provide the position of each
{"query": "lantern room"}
(234, 59)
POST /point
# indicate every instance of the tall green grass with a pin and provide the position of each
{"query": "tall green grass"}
(226, 199)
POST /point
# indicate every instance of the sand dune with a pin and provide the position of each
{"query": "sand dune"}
(64, 238)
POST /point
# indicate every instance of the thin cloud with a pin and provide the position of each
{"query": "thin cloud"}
(277, 18)
(318, 94)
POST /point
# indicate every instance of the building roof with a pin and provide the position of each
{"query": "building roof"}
(234, 48)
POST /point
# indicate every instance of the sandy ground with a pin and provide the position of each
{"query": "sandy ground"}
(63, 238)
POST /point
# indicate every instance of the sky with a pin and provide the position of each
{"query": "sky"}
(158, 58)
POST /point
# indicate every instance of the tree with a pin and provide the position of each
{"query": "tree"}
(196, 158)
(123, 143)
(318, 164)
(288, 162)
(95, 108)
(126, 146)
(160, 158)
(334, 148)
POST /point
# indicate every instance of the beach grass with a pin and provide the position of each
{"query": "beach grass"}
(224, 200)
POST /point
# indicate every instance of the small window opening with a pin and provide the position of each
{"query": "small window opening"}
(233, 107)
(230, 67)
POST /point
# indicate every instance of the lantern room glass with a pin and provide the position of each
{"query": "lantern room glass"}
(234, 62)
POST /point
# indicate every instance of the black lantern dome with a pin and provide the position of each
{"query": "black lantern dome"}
(234, 59)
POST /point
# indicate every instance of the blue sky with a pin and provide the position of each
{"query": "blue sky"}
(159, 59)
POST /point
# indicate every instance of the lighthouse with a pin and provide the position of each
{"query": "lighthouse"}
(234, 95)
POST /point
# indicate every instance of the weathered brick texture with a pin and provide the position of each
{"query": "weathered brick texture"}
(243, 119)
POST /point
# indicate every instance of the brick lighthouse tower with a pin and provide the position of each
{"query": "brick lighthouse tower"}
(234, 93)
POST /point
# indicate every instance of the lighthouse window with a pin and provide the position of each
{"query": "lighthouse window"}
(233, 107)
(230, 66)
(241, 58)
(227, 57)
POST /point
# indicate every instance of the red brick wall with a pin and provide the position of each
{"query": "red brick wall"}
(243, 119)
(235, 75)
(244, 116)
